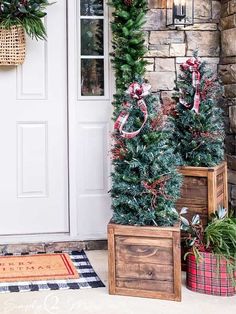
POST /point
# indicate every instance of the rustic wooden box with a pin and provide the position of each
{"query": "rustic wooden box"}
(203, 190)
(144, 261)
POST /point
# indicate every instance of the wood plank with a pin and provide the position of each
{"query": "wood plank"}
(194, 195)
(147, 241)
(193, 207)
(196, 181)
(221, 168)
(193, 172)
(191, 202)
(220, 179)
(177, 264)
(144, 230)
(225, 203)
(212, 206)
(197, 197)
(142, 284)
(144, 271)
(144, 254)
(199, 169)
(147, 294)
(111, 259)
(220, 189)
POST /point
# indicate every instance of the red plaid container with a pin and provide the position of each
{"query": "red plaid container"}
(208, 276)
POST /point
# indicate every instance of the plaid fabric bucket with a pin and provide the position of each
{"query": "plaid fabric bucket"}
(208, 276)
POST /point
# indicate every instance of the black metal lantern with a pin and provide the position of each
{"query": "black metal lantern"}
(179, 12)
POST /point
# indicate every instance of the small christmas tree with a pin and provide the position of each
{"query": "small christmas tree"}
(199, 123)
(145, 180)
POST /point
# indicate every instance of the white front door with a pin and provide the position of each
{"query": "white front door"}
(90, 117)
(54, 130)
(33, 135)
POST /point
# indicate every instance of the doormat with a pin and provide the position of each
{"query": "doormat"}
(87, 278)
(37, 267)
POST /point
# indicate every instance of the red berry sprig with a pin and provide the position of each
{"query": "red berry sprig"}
(128, 2)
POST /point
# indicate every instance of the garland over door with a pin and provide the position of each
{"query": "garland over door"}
(33, 136)
(90, 111)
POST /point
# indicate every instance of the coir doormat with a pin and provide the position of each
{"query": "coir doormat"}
(74, 268)
(37, 267)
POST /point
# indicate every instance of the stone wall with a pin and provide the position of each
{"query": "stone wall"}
(167, 48)
(227, 70)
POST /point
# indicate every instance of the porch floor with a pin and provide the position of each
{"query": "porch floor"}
(97, 301)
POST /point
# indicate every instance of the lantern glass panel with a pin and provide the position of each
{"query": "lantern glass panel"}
(180, 12)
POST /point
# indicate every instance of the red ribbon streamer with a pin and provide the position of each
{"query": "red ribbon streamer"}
(193, 66)
(157, 188)
(138, 92)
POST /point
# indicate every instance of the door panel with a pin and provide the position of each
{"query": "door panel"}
(90, 111)
(33, 137)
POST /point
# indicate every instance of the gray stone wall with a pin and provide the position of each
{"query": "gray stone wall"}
(227, 70)
(167, 48)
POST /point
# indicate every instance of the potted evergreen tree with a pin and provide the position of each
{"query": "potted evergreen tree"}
(16, 18)
(144, 234)
(211, 260)
(199, 132)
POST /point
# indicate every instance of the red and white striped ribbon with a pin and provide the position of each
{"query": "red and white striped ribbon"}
(192, 65)
(138, 92)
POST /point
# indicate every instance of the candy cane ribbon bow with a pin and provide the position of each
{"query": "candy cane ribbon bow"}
(193, 66)
(138, 92)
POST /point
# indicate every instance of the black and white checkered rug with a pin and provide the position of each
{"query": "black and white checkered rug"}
(88, 278)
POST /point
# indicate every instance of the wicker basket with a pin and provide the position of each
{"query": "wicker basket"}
(12, 45)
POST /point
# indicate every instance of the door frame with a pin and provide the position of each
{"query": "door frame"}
(72, 235)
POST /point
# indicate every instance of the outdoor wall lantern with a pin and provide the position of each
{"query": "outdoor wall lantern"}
(180, 12)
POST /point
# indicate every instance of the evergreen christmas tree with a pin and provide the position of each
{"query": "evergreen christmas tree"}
(199, 123)
(145, 180)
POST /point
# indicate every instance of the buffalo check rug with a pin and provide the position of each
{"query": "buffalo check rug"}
(87, 278)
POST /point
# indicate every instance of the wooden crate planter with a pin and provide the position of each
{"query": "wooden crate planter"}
(209, 276)
(144, 261)
(204, 190)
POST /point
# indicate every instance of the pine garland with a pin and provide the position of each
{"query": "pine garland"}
(145, 181)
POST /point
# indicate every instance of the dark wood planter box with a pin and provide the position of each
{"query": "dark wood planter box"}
(209, 276)
(203, 190)
(144, 261)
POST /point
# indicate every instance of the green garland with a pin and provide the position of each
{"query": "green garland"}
(128, 41)
(128, 44)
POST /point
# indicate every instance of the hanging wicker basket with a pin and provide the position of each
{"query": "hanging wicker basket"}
(12, 45)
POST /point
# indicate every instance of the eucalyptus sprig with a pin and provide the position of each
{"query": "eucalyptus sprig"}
(27, 13)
